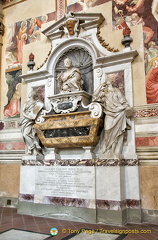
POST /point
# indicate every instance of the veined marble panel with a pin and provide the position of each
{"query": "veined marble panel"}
(150, 110)
(146, 128)
(147, 141)
(9, 134)
(108, 183)
(132, 182)
(26, 197)
(69, 202)
(65, 181)
(12, 145)
(82, 162)
(118, 205)
(27, 180)
(111, 205)
(58, 185)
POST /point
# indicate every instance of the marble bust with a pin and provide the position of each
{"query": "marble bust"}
(70, 80)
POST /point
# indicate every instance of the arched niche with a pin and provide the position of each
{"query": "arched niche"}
(81, 59)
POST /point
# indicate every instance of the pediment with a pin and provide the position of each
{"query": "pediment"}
(72, 23)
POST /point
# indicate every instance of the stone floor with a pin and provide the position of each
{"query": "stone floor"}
(9, 218)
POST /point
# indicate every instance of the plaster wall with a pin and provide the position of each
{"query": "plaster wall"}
(149, 186)
(10, 180)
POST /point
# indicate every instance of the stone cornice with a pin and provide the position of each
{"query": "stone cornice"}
(117, 58)
(39, 75)
(86, 21)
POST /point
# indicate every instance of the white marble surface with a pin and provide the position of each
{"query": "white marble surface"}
(73, 153)
(32, 157)
(8, 134)
(132, 182)
(151, 128)
(108, 183)
(65, 181)
(15, 234)
(95, 236)
(27, 179)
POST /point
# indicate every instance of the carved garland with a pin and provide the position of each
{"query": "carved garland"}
(1, 29)
(45, 59)
(104, 44)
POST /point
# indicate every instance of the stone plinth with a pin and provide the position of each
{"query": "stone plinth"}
(84, 190)
(32, 157)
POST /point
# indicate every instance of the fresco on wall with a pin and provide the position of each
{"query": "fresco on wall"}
(19, 34)
(135, 12)
(22, 33)
(40, 91)
(118, 80)
(7, 3)
(12, 109)
(11, 1)
(142, 12)
(80, 5)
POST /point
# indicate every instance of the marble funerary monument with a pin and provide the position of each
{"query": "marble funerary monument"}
(80, 162)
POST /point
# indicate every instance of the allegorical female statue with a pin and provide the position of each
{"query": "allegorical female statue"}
(117, 110)
(70, 80)
(31, 111)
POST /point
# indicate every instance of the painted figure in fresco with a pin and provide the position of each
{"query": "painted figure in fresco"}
(21, 40)
(155, 9)
(33, 26)
(150, 53)
(20, 43)
(120, 24)
(44, 19)
(34, 32)
(13, 108)
(7, 1)
(31, 111)
(137, 4)
(86, 3)
(117, 110)
(135, 20)
(70, 80)
(11, 34)
(152, 82)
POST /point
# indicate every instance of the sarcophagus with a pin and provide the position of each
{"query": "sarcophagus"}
(76, 129)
